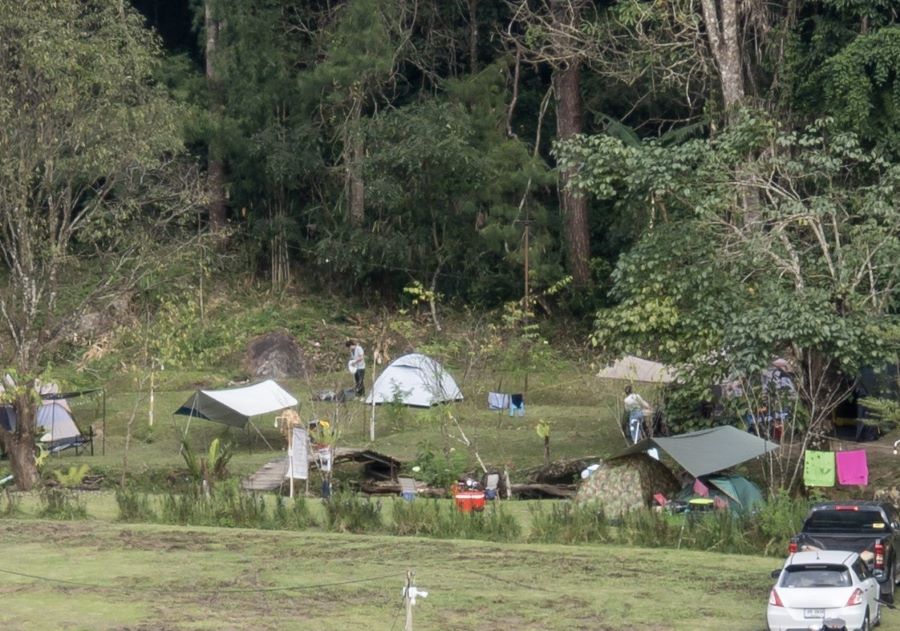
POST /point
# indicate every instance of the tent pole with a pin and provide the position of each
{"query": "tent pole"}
(103, 442)
(250, 423)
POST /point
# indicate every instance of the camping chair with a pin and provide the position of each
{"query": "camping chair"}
(407, 488)
(491, 482)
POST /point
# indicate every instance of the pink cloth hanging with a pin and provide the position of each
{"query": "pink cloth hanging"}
(700, 489)
(852, 467)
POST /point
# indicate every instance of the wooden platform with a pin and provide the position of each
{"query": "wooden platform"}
(271, 475)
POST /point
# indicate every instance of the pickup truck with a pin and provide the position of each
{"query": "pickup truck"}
(869, 528)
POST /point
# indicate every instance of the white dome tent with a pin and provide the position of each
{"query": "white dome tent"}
(416, 380)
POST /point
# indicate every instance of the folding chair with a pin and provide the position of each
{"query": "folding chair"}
(407, 488)
(491, 482)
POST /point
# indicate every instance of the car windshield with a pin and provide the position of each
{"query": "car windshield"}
(816, 576)
(845, 521)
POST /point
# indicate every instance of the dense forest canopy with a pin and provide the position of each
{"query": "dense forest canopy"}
(699, 178)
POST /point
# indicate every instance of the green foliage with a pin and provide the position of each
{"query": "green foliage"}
(568, 523)
(295, 515)
(134, 506)
(61, 504)
(437, 467)
(444, 521)
(73, 476)
(10, 504)
(349, 512)
(779, 519)
(212, 466)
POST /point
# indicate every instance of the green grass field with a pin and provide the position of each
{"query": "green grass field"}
(99, 574)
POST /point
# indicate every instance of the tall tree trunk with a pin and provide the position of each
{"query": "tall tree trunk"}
(19, 444)
(721, 17)
(356, 187)
(473, 36)
(567, 89)
(215, 167)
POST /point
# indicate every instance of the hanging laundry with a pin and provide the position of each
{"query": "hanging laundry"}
(516, 405)
(818, 468)
(498, 401)
(852, 467)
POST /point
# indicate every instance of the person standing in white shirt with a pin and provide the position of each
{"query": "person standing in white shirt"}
(357, 366)
(635, 406)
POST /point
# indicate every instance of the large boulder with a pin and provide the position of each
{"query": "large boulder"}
(275, 355)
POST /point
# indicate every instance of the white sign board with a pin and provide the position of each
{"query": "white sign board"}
(298, 456)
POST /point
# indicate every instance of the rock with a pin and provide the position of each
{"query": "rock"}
(275, 355)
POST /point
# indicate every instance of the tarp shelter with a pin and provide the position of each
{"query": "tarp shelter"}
(416, 380)
(707, 450)
(236, 406)
(631, 368)
(627, 483)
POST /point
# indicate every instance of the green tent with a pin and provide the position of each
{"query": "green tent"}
(741, 494)
(627, 484)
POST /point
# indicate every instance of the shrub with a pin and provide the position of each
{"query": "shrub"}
(568, 523)
(61, 504)
(348, 512)
(439, 468)
(134, 506)
(416, 518)
(650, 528)
(295, 516)
(780, 518)
(10, 504)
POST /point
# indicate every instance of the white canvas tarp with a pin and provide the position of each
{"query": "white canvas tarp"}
(631, 368)
(236, 406)
(416, 380)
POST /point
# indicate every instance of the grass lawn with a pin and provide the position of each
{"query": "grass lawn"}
(147, 577)
(100, 575)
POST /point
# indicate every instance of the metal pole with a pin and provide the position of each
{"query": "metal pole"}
(409, 584)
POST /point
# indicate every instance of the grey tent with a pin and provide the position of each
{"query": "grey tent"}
(707, 450)
(416, 380)
(236, 406)
(631, 368)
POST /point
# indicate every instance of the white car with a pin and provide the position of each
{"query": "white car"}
(825, 584)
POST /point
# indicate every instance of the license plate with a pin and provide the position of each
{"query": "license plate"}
(813, 613)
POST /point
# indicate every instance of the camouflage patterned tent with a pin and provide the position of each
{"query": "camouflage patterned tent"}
(627, 483)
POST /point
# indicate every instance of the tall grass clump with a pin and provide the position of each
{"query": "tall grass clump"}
(649, 528)
(293, 515)
(58, 503)
(180, 508)
(432, 519)
(230, 507)
(348, 512)
(10, 505)
(776, 521)
(719, 531)
(419, 517)
(568, 523)
(491, 524)
(135, 506)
